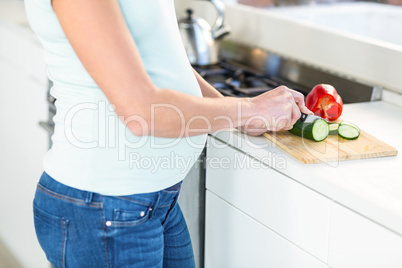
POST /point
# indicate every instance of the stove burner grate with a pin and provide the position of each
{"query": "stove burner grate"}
(231, 79)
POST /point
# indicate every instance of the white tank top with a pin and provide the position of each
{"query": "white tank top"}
(92, 149)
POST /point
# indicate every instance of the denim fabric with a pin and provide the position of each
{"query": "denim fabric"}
(83, 229)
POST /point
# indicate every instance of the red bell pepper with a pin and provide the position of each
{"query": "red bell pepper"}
(324, 101)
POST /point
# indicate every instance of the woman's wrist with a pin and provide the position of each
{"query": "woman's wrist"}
(244, 111)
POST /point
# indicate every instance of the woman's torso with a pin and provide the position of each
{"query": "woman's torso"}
(92, 149)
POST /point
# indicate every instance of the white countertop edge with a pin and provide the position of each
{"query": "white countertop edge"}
(381, 209)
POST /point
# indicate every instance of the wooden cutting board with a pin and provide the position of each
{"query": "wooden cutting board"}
(333, 148)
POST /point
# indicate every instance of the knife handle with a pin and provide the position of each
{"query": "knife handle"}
(303, 117)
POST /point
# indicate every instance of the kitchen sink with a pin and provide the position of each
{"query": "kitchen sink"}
(374, 21)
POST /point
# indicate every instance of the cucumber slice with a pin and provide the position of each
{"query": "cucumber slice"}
(348, 131)
(320, 130)
(333, 128)
(316, 131)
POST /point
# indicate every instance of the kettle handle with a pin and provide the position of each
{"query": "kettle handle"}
(220, 7)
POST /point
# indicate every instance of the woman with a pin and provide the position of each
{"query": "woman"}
(130, 111)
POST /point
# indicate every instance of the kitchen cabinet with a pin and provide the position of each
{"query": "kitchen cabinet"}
(23, 143)
(258, 217)
(357, 242)
(234, 239)
(192, 204)
(288, 208)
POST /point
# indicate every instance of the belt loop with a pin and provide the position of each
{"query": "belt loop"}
(153, 209)
(89, 197)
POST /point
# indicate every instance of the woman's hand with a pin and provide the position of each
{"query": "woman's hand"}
(275, 110)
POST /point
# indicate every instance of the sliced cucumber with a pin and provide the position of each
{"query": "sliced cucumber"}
(348, 131)
(333, 128)
(316, 131)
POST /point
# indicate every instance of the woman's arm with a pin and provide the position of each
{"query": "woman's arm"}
(210, 91)
(100, 37)
(206, 89)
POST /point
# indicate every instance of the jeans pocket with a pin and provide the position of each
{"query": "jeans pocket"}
(51, 232)
(123, 218)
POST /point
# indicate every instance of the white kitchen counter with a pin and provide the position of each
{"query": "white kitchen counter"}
(370, 187)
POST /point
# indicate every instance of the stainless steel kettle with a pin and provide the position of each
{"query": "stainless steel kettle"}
(200, 40)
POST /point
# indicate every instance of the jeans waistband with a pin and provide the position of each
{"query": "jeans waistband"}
(173, 188)
(53, 185)
(47, 183)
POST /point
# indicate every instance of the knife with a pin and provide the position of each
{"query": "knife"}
(309, 118)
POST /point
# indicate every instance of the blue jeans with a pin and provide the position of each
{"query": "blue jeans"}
(83, 229)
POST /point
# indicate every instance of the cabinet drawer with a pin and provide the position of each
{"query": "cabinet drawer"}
(235, 240)
(281, 204)
(357, 242)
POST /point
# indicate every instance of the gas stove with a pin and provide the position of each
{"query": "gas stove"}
(233, 79)
(248, 71)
